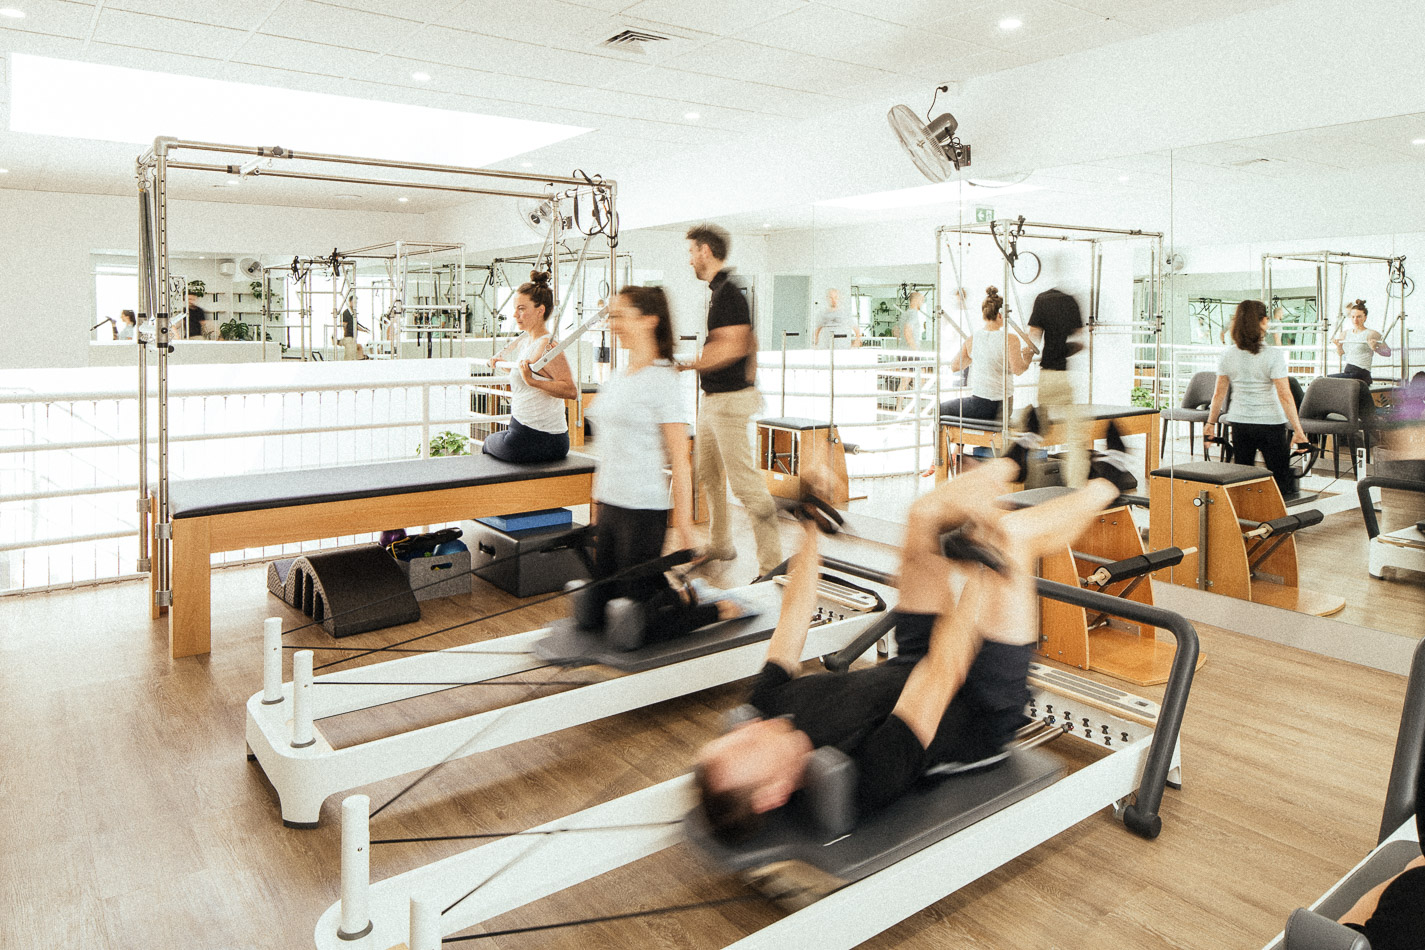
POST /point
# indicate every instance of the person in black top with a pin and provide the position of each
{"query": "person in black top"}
(196, 316)
(1054, 324)
(727, 371)
(952, 697)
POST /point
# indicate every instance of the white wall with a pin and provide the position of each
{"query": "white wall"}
(47, 286)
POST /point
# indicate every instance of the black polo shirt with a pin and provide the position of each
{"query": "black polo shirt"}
(727, 308)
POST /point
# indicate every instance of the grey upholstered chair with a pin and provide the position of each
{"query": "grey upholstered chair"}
(1332, 407)
(1193, 409)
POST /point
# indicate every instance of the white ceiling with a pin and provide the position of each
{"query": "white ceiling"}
(747, 67)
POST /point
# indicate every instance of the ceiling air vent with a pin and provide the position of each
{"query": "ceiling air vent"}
(633, 41)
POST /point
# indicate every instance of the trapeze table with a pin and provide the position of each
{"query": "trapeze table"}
(212, 515)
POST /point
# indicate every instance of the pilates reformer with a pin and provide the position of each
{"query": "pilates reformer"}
(892, 871)
(1403, 548)
(304, 768)
(1315, 928)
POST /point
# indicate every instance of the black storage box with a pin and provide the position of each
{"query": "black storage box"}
(542, 572)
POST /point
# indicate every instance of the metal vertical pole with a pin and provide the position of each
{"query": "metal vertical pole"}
(163, 529)
(147, 296)
(938, 316)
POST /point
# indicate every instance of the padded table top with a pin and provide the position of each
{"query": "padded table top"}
(797, 423)
(1094, 412)
(199, 497)
(1212, 473)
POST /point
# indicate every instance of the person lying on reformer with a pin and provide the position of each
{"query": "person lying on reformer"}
(952, 697)
(642, 434)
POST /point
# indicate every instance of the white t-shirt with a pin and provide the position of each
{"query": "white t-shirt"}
(987, 366)
(629, 415)
(915, 320)
(534, 407)
(1254, 394)
(832, 322)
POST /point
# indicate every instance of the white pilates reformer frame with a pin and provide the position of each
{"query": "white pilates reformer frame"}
(305, 769)
(417, 908)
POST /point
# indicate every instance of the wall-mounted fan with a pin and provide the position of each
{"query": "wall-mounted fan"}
(250, 267)
(537, 215)
(932, 145)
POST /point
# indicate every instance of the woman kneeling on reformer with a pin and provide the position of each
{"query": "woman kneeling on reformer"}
(953, 696)
(641, 433)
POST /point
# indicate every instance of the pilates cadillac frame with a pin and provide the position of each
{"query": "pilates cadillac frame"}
(152, 170)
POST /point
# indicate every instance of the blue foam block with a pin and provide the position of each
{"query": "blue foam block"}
(549, 518)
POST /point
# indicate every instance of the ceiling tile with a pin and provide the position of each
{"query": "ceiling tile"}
(1111, 8)
(716, 90)
(1065, 42)
(1039, 18)
(335, 26)
(40, 44)
(538, 22)
(849, 37)
(739, 59)
(916, 13)
(160, 33)
(424, 11)
(52, 18)
(722, 18)
(299, 56)
(244, 15)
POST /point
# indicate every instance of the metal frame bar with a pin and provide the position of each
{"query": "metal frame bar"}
(153, 166)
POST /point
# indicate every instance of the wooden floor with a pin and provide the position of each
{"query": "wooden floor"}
(132, 818)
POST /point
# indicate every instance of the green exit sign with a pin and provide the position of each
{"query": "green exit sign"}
(984, 215)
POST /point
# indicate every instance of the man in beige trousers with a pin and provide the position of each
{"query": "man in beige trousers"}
(727, 371)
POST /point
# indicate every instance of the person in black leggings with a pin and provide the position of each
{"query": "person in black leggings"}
(1262, 403)
(538, 429)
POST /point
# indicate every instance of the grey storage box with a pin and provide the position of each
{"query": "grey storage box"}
(425, 574)
(540, 572)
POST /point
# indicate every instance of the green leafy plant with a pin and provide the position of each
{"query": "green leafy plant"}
(234, 329)
(1142, 397)
(449, 443)
(197, 288)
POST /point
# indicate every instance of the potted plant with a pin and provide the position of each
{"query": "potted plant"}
(235, 329)
(197, 288)
(449, 443)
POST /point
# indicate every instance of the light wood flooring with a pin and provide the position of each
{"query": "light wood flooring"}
(132, 818)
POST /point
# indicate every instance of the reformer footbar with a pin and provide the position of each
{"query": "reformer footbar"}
(1135, 738)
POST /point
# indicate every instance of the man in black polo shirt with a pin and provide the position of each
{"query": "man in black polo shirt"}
(727, 371)
(1053, 324)
(950, 699)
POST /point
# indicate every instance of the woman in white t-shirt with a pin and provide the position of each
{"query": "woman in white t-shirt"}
(641, 419)
(539, 426)
(1262, 404)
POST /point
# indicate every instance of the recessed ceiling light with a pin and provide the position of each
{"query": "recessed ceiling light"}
(1122, 177)
(1417, 141)
(4, 171)
(419, 76)
(766, 224)
(692, 116)
(12, 14)
(1010, 23)
(526, 164)
(403, 200)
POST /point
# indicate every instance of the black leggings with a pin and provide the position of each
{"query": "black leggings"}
(625, 537)
(1271, 440)
(1352, 371)
(972, 407)
(523, 445)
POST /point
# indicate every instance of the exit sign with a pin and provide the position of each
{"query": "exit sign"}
(984, 215)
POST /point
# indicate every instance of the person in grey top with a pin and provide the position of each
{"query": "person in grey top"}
(835, 321)
(913, 320)
(1262, 403)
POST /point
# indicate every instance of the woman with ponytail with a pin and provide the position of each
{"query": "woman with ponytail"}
(1358, 346)
(643, 432)
(539, 427)
(987, 357)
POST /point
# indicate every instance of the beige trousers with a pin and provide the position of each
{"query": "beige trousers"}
(1056, 395)
(724, 453)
